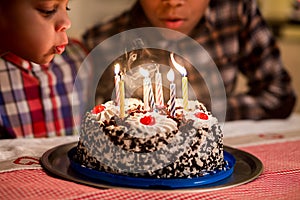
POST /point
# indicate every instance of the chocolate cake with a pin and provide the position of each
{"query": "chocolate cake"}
(151, 143)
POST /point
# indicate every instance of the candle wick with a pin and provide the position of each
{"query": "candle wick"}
(157, 67)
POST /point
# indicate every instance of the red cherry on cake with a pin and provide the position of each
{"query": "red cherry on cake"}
(201, 115)
(147, 120)
(97, 109)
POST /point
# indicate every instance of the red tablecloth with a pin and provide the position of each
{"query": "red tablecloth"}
(280, 180)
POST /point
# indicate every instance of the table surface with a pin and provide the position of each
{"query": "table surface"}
(275, 142)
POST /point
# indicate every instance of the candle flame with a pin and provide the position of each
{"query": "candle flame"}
(180, 68)
(144, 72)
(170, 75)
(117, 68)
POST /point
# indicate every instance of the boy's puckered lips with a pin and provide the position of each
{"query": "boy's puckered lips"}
(173, 22)
(60, 49)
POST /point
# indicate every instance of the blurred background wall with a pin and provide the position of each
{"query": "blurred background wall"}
(282, 16)
(85, 13)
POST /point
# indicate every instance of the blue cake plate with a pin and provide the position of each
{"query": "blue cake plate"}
(167, 183)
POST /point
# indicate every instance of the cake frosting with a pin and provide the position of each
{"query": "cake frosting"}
(151, 143)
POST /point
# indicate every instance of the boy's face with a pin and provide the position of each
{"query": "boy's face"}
(179, 15)
(34, 29)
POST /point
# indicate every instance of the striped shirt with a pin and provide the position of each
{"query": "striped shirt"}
(37, 100)
(239, 41)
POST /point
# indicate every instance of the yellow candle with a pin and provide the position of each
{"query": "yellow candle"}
(122, 98)
(185, 92)
(185, 84)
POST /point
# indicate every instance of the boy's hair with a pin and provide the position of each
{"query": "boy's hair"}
(5, 3)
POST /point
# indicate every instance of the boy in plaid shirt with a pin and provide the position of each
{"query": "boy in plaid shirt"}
(236, 37)
(38, 67)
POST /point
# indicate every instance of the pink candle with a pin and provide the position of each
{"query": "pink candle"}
(149, 102)
(117, 80)
(158, 89)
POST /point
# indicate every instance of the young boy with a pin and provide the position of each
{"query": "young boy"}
(236, 37)
(36, 90)
(34, 30)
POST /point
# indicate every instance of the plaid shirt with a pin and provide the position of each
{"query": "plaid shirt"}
(37, 100)
(237, 38)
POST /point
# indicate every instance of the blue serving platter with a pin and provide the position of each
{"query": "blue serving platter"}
(246, 167)
(166, 183)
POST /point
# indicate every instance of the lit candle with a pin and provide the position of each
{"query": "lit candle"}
(117, 80)
(184, 80)
(158, 88)
(185, 92)
(122, 98)
(148, 92)
(170, 77)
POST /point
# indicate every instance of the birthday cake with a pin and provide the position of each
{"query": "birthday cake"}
(151, 143)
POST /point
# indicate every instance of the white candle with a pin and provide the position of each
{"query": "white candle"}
(117, 80)
(122, 98)
(158, 88)
(149, 102)
(184, 80)
(170, 77)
